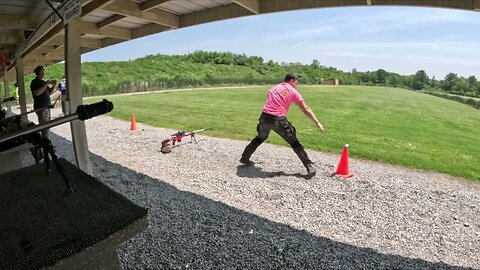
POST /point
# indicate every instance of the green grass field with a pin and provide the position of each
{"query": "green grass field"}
(390, 125)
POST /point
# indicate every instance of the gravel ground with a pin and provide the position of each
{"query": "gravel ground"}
(206, 211)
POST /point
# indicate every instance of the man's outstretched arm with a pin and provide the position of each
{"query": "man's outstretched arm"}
(309, 113)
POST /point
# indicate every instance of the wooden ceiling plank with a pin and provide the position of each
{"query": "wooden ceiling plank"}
(151, 4)
(213, 14)
(110, 41)
(108, 31)
(131, 9)
(148, 30)
(110, 20)
(251, 5)
(47, 30)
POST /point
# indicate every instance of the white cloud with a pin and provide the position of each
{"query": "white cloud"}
(398, 39)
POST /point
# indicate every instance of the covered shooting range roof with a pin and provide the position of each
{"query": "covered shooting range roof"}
(31, 28)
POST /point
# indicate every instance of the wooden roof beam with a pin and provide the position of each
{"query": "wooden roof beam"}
(45, 49)
(251, 5)
(52, 26)
(131, 9)
(109, 20)
(93, 5)
(281, 5)
(91, 43)
(108, 31)
(151, 4)
(149, 29)
(110, 41)
(37, 62)
(214, 14)
(41, 54)
(41, 57)
(58, 42)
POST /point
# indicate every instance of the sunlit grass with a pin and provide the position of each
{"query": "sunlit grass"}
(391, 125)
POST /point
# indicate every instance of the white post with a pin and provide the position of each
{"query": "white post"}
(7, 92)
(75, 94)
(21, 88)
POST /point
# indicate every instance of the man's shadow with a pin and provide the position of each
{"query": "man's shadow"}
(252, 171)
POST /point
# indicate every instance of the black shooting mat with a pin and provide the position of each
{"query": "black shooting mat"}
(41, 222)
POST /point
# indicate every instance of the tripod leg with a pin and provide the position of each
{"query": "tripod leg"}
(47, 144)
(45, 157)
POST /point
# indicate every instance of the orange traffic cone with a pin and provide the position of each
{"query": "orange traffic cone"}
(342, 168)
(133, 126)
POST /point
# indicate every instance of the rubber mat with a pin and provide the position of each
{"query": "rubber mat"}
(42, 223)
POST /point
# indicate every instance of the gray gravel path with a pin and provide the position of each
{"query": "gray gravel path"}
(208, 212)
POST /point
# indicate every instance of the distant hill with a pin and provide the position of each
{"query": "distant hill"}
(154, 72)
(201, 68)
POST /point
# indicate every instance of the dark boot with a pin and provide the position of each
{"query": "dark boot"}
(249, 150)
(246, 162)
(305, 160)
(311, 171)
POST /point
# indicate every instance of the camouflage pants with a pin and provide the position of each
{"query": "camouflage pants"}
(44, 116)
(282, 127)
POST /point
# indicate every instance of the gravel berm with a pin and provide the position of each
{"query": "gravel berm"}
(207, 211)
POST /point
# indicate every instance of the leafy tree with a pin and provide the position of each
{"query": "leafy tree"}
(420, 80)
(434, 83)
(200, 68)
(315, 64)
(381, 76)
(472, 84)
(449, 82)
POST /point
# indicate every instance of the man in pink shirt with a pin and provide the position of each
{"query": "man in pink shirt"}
(273, 116)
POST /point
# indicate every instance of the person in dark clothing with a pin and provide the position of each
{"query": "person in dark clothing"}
(62, 87)
(273, 117)
(41, 91)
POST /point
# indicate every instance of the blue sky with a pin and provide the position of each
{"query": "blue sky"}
(397, 39)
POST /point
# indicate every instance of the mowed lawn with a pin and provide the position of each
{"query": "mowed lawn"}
(391, 125)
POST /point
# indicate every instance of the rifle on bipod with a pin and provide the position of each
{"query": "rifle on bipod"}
(167, 144)
(17, 117)
(32, 134)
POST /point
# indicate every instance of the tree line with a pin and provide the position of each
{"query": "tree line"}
(314, 72)
(201, 68)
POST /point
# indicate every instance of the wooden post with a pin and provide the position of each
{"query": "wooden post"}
(7, 92)
(21, 88)
(75, 94)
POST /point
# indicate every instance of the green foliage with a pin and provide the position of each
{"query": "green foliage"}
(420, 80)
(475, 103)
(200, 68)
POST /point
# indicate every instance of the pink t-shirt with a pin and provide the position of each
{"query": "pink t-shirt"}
(279, 99)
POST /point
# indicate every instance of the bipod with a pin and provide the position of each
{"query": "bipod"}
(48, 149)
(192, 138)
